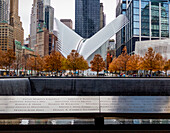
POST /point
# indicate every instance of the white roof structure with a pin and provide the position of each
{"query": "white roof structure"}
(69, 40)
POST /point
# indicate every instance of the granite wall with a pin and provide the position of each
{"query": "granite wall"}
(85, 87)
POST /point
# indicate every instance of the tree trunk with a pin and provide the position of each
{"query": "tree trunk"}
(57, 72)
(97, 73)
(9, 70)
(151, 73)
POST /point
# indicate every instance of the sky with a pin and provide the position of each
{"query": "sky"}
(64, 9)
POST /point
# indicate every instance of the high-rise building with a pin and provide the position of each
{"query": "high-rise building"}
(102, 16)
(11, 30)
(148, 20)
(46, 42)
(67, 22)
(120, 36)
(41, 46)
(87, 17)
(6, 36)
(49, 17)
(5, 10)
(41, 12)
(15, 21)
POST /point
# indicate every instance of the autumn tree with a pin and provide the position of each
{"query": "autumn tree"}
(53, 62)
(167, 66)
(113, 67)
(159, 62)
(152, 61)
(1, 58)
(83, 64)
(39, 63)
(47, 63)
(30, 64)
(97, 64)
(133, 63)
(9, 58)
(74, 61)
(123, 58)
(17, 63)
(109, 60)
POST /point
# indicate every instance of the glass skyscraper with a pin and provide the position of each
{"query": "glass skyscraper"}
(87, 17)
(149, 20)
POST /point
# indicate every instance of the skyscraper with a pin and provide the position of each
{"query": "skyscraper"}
(10, 27)
(6, 36)
(102, 16)
(49, 17)
(5, 10)
(120, 36)
(149, 20)
(15, 21)
(87, 17)
(42, 13)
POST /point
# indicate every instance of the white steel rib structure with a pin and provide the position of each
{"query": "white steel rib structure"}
(69, 40)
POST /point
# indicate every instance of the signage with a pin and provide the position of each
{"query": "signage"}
(40, 104)
(84, 104)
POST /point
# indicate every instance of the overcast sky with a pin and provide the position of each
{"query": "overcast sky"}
(64, 9)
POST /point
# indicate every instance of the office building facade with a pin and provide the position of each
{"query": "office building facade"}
(120, 36)
(15, 21)
(87, 17)
(6, 36)
(67, 22)
(148, 20)
(5, 11)
(42, 13)
(49, 17)
(10, 27)
(102, 16)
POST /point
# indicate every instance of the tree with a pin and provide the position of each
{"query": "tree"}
(152, 61)
(167, 66)
(74, 61)
(17, 63)
(123, 58)
(1, 58)
(133, 63)
(53, 62)
(39, 63)
(83, 64)
(97, 64)
(159, 62)
(114, 66)
(109, 60)
(30, 64)
(9, 58)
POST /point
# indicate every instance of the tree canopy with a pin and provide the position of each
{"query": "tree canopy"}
(97, 64)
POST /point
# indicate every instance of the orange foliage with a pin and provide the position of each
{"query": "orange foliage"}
(9, 58)
(1, 58)
(123, 58)
(97, 64)
(76, 62)
(114, 66)
(133, 63)
(53, 62)
(152, 61)
(167, 66)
